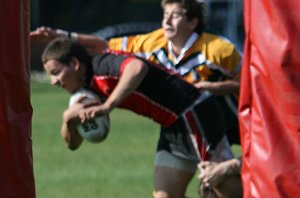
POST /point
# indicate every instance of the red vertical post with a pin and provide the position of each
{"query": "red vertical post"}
(16, 166)
(269, 108)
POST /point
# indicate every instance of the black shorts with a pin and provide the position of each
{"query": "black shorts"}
(229, 106)
(204, 124)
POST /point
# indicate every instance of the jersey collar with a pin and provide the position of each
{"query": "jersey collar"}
(192, 39)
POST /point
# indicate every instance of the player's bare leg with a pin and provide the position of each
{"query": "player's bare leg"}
(171, 183)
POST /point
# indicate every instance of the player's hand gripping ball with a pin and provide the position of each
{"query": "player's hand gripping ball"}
(96, 129)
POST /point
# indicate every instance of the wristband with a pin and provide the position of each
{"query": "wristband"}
(68, 34)
(73, 36)
(62, 33)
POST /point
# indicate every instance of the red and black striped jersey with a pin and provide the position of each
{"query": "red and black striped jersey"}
(161, 96)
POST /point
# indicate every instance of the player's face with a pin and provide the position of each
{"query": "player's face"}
(63, 75)
(175, 23)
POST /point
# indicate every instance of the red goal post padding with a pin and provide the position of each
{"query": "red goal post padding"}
(16, 166)
(269, 108)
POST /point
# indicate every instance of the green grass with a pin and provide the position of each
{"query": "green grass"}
(121, 166)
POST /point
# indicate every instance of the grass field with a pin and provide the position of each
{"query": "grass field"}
(120, 167)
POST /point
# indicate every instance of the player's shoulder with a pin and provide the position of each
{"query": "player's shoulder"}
(158, 32)
(209, 37)
(216, 43)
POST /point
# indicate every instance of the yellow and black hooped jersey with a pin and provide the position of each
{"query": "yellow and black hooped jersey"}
(211, 57)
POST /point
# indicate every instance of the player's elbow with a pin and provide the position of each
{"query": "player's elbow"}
(143, 69)
(73, 147)
(72, 141)
(137, 67)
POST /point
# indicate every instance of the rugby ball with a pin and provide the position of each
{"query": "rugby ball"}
(94, 130)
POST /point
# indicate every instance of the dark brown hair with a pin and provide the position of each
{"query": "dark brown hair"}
(194, 9)
(63, 49)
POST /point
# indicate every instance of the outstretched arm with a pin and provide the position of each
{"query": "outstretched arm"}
(132, 76)
(93, 44)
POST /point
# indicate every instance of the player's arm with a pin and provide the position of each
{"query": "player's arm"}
(133, 74)
(93, 44)
(229, 58)
(219, 87)
(68, 129)
(213, 173)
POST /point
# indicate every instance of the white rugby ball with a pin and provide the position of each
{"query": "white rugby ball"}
(94, 130)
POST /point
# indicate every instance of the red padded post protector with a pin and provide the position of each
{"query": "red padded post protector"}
(16, 166)
(269, 108)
